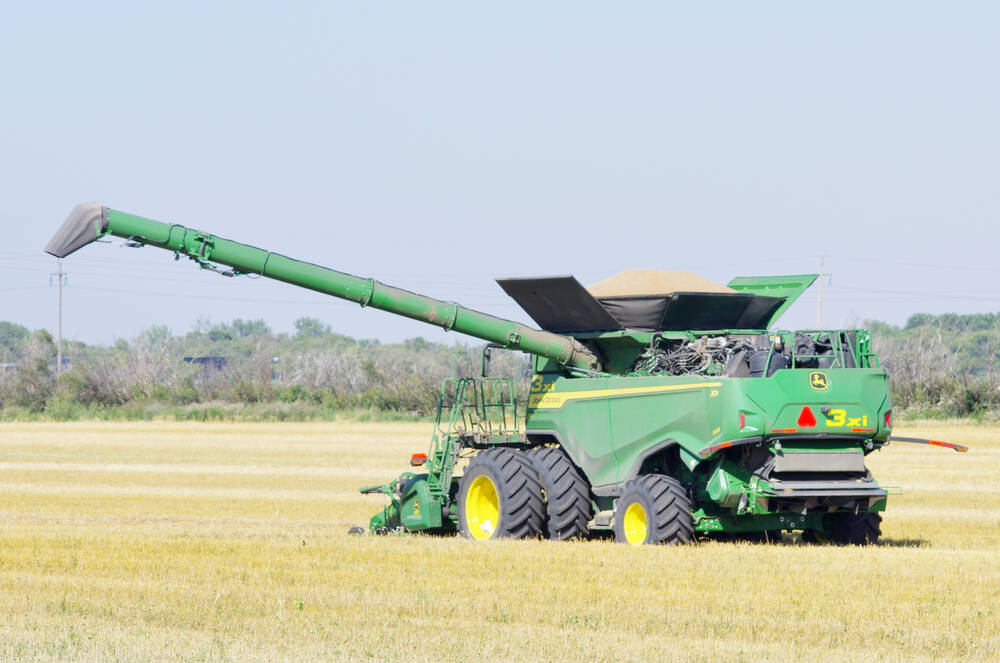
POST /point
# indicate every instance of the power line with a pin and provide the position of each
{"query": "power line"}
(27, 287)
(919, 265)
(185, 295)
(925, 294)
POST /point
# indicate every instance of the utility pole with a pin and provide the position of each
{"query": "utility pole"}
(61, 280)
(819, 297)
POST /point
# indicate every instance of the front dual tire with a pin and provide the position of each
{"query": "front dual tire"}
(506, 493)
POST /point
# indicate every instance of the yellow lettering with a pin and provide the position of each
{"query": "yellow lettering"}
(836, 418)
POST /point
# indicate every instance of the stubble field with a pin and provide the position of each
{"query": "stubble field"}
(219, 542)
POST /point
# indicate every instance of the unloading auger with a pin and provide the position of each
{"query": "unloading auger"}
(89, 221)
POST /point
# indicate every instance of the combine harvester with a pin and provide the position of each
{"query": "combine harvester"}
(661, 405)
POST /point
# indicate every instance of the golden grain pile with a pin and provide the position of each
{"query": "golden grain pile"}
(227, 542)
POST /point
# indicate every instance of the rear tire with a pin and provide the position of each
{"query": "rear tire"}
(861, 529)
(500, 496)
(567, 494)
(653, 509)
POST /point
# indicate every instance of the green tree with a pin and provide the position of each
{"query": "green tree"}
(250, 328)
(13, 337)
(311, 328)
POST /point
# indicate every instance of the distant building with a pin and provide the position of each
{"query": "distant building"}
(209, 365)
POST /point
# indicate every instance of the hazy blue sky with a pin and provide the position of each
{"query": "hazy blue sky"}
(436, 146)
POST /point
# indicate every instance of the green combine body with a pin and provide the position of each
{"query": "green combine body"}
(654, 414)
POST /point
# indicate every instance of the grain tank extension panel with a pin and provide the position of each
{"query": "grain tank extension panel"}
(561, 304)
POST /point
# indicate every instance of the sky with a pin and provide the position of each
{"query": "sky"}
(437, 146)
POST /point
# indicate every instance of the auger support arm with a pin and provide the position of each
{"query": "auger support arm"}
(934, 443)
(90, 221)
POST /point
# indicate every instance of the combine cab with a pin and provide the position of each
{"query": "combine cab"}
(660, 406)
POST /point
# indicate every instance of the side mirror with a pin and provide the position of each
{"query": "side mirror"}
(487, 352)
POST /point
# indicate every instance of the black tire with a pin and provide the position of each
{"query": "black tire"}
(861, 529)
(665, 507)
(520, 512)
(567, 494)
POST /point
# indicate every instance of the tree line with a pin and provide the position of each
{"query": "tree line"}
(941, 366)
(240, 369)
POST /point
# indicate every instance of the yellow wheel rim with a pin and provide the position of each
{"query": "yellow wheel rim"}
(634, 524)
(482, 508)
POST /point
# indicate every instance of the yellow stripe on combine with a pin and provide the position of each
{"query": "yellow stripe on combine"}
(558, 399)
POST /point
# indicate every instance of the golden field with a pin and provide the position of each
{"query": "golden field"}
(227, 542)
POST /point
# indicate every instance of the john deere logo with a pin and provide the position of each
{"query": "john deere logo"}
(818, 380)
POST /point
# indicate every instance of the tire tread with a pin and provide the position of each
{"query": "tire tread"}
(670, 519)
(567, 494)
(860, 529)
(522, 512)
